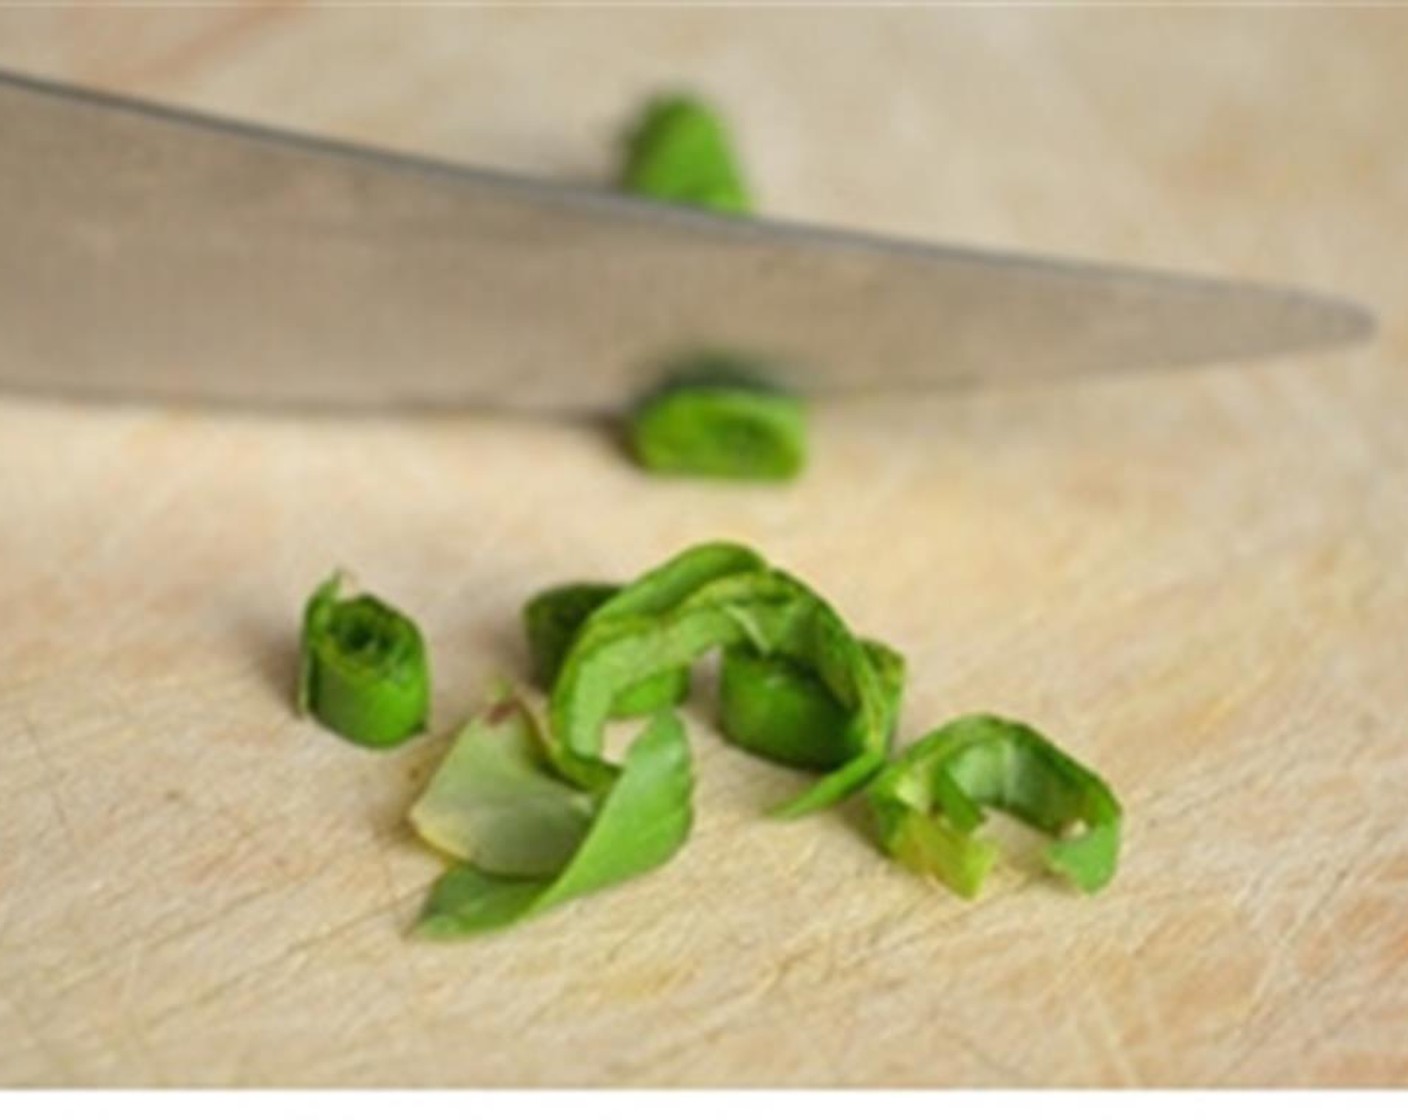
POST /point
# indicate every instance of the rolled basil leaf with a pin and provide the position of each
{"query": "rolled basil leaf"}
(755, 608)
(928, 804)
(780, 710)
(552, 620)
(640, 820)
(680, 151)
(718, 416)
(363, 668)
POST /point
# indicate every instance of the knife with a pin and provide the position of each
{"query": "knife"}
(153, 252)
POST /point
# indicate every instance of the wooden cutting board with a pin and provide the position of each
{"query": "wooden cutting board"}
(1197, 583)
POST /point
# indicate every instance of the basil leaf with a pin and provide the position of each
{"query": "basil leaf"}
(495, 801)
(763, 610)
(719, 416)
(552, 619)
(667, 585)
(680, 151)
(778, 709)
(363, 670)
(643, 818)
(928, 804)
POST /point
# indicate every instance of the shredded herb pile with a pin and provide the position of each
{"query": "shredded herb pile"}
(533, 814)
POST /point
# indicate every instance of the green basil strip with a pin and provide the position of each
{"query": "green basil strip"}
(680, 151)
(667, 585)
(928, 804)
(780, 710)
(363, 668)
(494, 801)
(763, 610)
(642, 819)
(717, 416)
(555, 618)
(552, 619)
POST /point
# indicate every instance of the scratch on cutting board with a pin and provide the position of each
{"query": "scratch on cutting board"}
(1320, 899)
(1146, 1007)
(55, 1056)
(51, 781)
(748, 1003)
(186, 930)
(929, 896)
(411, 985)
(131, 1028)
(1370, 989)
(1306, 990)
(1109, 1038)
(999, 1069)
(295, 951)
(1074, 985)
(199, 925)
(1258, 1039)
(717, 1021)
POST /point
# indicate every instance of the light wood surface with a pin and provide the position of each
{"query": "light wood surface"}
(1198, 583)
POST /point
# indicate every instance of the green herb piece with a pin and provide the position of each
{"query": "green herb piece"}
(553, 619)
(640, 820)
(718, 416)
(494, 801)
(680, 151)
(780, 710)
(929, 802)
(694, 608)
(363, 671)
(667, 585)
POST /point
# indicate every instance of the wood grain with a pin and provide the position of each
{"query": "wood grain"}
(1197, 582)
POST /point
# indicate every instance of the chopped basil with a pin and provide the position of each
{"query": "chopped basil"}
(699, 604)
(363, 669)
(552, 620)
(535, 817)
(780, 710)
(718, 416)
(680, 151)
(928, 803)
(495, 801)
(637, 823)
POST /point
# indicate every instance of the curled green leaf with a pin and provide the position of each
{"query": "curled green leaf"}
(719, 416)
(494, 800)
(363, 669)
(780, 710)
(639, 821)
(929, 802)
(680, 151)
(553, 618)
(667, 585)
(753, 608)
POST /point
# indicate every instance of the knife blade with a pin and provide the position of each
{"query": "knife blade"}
(159, 253)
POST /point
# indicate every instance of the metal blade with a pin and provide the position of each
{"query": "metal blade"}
(155, 253)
